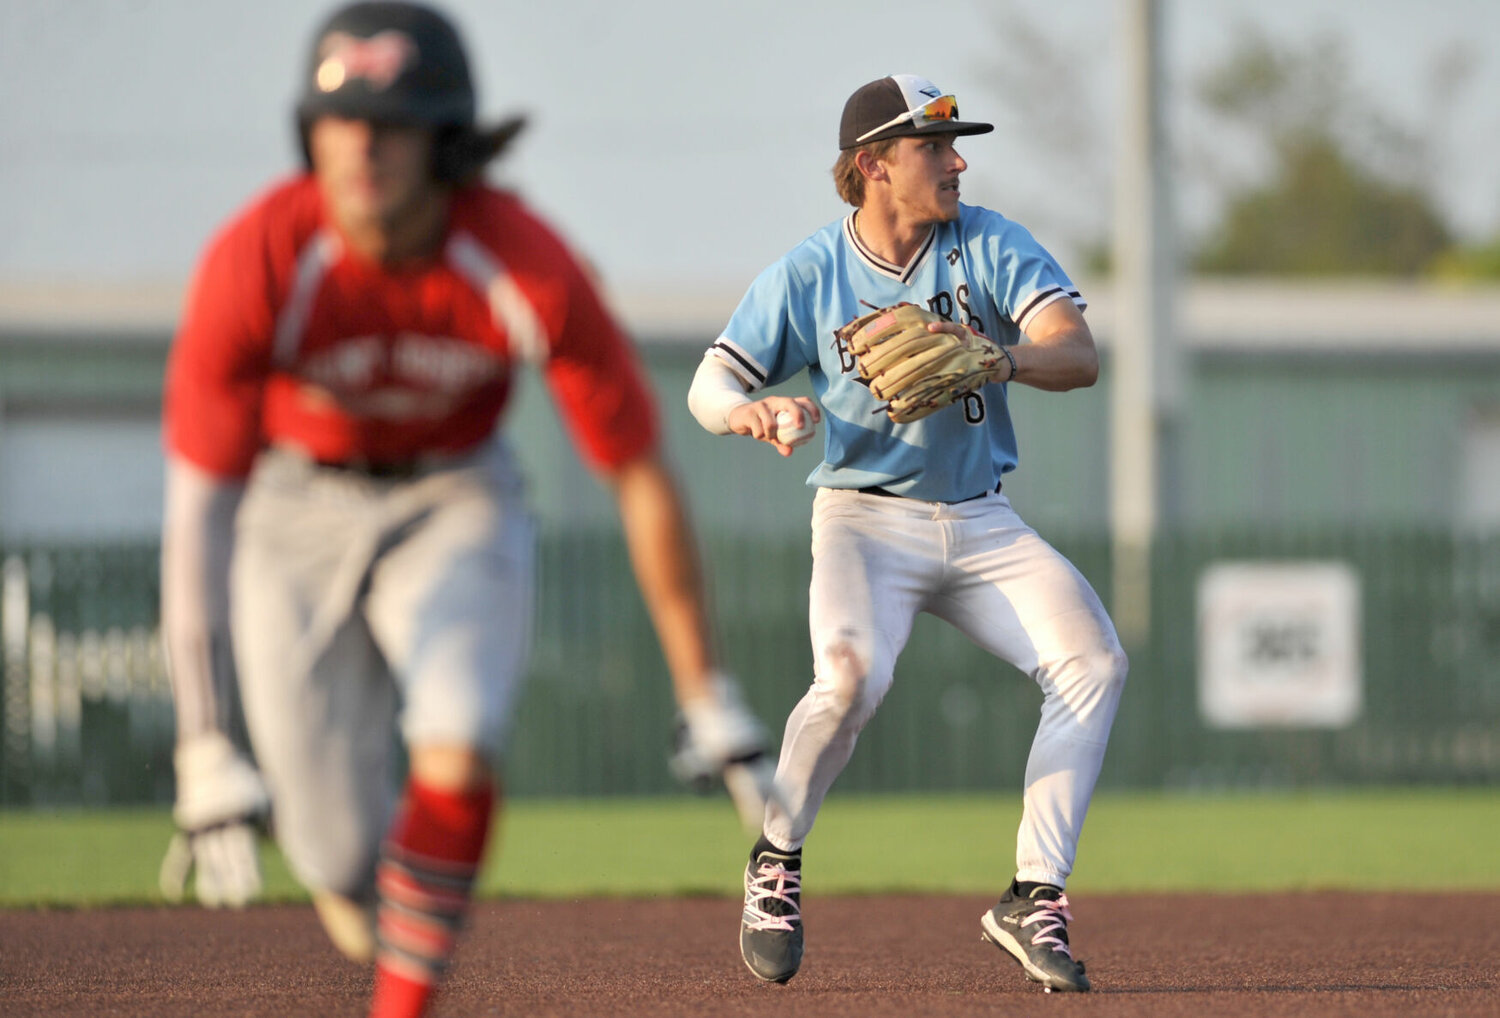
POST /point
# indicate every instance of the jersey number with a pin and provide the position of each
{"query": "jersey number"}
(973, 408)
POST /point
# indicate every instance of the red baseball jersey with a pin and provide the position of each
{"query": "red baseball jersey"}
(291, 337)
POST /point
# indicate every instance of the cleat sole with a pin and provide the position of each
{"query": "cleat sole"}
(993, 933)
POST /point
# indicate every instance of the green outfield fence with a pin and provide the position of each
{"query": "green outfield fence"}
(86, 714)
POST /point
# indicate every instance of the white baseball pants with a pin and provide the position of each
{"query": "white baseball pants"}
(878, 561)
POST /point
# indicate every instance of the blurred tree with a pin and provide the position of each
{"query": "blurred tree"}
(1322, 215)
(1345, 190)
(1469, 263)
(1284, 164)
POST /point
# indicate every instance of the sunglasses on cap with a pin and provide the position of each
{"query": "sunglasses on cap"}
(940, 109)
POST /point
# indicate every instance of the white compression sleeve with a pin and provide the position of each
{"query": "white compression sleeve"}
(715, 391)
(197, 538)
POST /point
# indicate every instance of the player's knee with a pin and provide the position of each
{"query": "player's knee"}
(1106, 669)
(1087, 679)
(849, 683)
(349, 874)
(331, 850)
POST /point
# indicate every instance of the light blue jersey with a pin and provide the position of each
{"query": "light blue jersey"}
(981, 269)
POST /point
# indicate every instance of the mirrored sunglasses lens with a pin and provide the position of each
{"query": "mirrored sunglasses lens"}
(944, 108)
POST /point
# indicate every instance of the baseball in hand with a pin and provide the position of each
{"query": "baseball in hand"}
(788, 434)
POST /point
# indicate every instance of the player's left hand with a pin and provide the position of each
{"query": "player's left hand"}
(919, 363)
(717, 738)
(221, 806)
(223, 864)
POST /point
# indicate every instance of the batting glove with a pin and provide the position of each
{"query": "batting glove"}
(718, 738)
(221, 805)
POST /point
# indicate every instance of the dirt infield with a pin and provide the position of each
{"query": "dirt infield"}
(1295, 954)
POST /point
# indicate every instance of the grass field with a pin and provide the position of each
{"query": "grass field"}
(1412, 839)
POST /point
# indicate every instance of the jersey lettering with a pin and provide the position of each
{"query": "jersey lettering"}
(448, 365)
(426, 362)
(970, 318)
(847, 363)
(347, 366)
(942, 305)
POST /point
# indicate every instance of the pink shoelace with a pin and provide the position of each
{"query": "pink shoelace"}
(1054, 915)
(775, 883)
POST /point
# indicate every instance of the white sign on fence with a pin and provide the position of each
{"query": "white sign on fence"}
(1279, 645)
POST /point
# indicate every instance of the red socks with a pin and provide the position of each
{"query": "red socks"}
(424, 880)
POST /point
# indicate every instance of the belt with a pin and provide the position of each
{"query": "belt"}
(394, 470)
(876, 489)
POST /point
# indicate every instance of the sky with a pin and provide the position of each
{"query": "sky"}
(679, 145)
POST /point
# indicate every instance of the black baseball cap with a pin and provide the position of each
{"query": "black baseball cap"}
(899, 105)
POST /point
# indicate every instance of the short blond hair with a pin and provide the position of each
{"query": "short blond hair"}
(847, 180)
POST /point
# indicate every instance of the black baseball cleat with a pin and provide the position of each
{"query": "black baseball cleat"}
(1034, 931)
(771, 925)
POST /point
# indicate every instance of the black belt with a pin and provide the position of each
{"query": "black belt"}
(394, 470)
(876, 489)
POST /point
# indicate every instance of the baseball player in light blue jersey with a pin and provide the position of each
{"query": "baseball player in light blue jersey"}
(910, 517)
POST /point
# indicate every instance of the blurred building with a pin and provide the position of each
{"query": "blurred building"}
(1356, 404)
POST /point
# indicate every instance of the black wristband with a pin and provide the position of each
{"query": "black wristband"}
(1006, 350)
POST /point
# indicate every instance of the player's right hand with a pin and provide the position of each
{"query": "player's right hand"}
(758, 419)
(221, 807)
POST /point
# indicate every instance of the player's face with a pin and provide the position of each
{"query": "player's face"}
(924, 178)
(373, 175)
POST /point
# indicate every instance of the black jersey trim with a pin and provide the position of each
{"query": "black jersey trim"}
(903, 273)
(739, 363)
(1044, 296)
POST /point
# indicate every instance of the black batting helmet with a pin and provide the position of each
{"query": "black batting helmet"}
(398, 62)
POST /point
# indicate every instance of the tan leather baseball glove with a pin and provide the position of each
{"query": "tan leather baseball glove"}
(918, 372)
